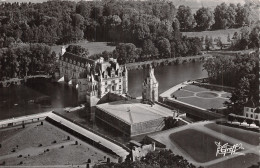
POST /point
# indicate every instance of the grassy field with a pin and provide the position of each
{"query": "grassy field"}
(202, 148)
(202, 97)
(38, 145)
(182, 93)
(243, 135)
(93, 47)
(223, 34)
(238, 162)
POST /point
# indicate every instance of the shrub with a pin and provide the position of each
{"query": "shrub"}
(40, 145)
(257, 123)
(76, 142)
(68, 137)
(231, 118)
(54, 142)
(240, 119)
(249, 121)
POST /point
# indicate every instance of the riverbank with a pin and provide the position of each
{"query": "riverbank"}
(19, 81)
(168, 61)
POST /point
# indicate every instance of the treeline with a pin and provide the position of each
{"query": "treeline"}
(162, 48)
(247, 38)
(26, 59)
(222, 17)
(241, 72)
(148, 25)
(58, 22)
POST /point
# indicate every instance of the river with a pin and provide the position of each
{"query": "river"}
(15, 100)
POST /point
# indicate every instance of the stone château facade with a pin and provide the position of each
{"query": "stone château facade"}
(93, 78)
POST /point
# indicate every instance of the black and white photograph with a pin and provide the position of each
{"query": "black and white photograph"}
(129, 83)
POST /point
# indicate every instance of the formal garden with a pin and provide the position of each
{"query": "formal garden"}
(202, 96)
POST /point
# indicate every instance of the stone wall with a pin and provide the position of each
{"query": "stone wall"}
(113, 121)
(192, 112)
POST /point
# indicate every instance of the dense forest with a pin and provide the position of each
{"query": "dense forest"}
(142, 30)
(241, 72)
(57, 22)
(26, 59)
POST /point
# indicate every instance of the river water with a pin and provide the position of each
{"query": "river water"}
(15, 101)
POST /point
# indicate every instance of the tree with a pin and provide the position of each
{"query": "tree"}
(149, 48)
(240, 119)
(219, 43)
(249, 121)
(208, 42)
(225, 16)
(78, 50)
(204, 19)
(244, 15)
(231, 118)
(140, 32)
(164, 47)
(185, 17)
(254, 37)
(228, 38)
(257, 122)
(125, 53)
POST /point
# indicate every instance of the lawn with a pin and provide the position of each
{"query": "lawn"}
(203, 97)
(207, 94)
(182, 93)
(93, 47)
(31, 136)
(243, 135)
(226, 95)
(200, 146)
(195, 88)
(238, 162)
(32, 142)
(214, 34)
(215, 103)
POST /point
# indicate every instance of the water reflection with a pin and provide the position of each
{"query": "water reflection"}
(20, 100)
